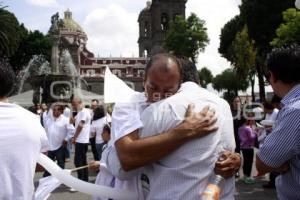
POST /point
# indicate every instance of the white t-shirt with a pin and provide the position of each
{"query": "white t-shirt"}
(97, 127)
(22, 138)
(84, 136)
(184, 173)
(58, 130)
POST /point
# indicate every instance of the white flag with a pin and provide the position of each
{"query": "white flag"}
(117, 91)
(46, 186)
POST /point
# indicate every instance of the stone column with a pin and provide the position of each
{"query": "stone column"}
(55, 54)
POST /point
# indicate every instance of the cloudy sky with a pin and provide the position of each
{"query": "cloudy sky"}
(112, 27)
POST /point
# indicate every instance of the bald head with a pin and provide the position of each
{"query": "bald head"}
(77, 103)
(162, 77)
(163, 62)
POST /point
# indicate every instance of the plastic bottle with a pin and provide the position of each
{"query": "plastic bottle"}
(213, 188)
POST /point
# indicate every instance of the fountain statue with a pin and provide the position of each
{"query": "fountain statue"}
(54, 81)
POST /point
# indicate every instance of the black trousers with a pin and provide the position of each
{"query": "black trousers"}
(94, 149)
(58, 155)
(80, 160)
(248, 161)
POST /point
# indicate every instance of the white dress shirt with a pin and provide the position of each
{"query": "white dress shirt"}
(84, 136)
(179, 172)
(184, 173)
(58, 130)
(22, 138)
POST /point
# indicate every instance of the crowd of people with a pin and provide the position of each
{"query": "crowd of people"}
(251, 126)
(165, 144)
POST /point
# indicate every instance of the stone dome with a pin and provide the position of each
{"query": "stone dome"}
(70, 24)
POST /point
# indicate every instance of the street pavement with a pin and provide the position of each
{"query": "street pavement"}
(243, 191)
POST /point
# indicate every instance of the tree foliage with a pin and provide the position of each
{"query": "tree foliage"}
(227, 36)
(243, 54)
(188, 37)
(289, 31)
(263, 17)
(32, 43)
(9, 33)
(205, 77)
(229, 80)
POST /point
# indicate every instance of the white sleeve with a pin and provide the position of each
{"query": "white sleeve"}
(84, 116)
(159, 118)
(110, 158)
(125, 120)
(227, 134)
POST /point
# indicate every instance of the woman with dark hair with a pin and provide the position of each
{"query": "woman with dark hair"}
(98, 123)
(247, 138)
(236, 110)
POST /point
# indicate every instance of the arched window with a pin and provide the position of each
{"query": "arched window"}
(164, 22)
(146, 30)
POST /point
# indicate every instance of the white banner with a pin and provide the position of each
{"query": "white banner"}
(117, 91)
(95, 190)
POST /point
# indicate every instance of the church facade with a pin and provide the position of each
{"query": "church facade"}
(154, 20)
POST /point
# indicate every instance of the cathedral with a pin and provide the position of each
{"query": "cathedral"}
(154, 20)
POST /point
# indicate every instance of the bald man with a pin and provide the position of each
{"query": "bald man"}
(81, 137)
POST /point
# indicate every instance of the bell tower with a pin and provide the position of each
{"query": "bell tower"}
(154, 22)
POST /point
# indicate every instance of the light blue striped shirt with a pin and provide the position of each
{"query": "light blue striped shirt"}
(283, 145)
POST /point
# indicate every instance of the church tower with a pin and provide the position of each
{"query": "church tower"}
(154, 21)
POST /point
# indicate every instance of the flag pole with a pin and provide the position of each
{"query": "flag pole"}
(79, 168)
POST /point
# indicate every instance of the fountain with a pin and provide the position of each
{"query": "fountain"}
(54, 81)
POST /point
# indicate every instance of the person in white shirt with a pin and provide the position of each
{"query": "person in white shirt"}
(59, 130)
(135, 152)
(81, 137)
(270, 111)
(98, 122)
(22, 138)
(44, 113)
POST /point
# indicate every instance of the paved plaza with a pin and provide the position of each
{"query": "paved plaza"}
(243, 191)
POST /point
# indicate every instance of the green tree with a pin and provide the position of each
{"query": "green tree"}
(263, 17)
(32, 43)
(244, 56)
(9, 34)
(289, 31)
(229, 81)
(187, 38)
(227, 37)
(205, 76)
